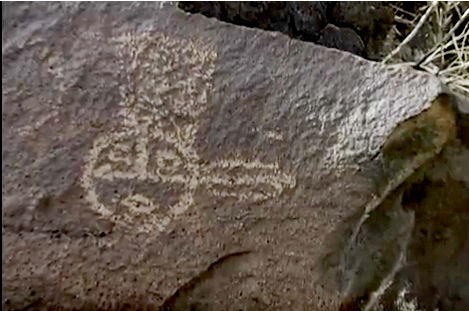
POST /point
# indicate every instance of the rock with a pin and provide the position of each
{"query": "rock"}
(269, 15)
(344, 39)
(417, 231)
(209, 9)
(308, 18)
(371, 20)
(365, 17)
(152, 158)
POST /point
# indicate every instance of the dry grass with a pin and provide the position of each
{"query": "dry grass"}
(445, 53)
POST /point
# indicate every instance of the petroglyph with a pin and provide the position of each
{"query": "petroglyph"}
(148, 171)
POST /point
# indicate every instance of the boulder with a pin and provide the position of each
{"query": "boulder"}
(341, 38)
(157, 159)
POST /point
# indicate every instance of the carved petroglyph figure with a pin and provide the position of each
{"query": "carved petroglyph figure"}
(148, 171)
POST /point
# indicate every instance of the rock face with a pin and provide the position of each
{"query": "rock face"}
(153, 158)
(341, 38)
(358, 27)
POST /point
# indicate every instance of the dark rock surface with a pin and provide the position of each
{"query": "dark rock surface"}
(368, 22)
(371, 20)
(418, 232)
(341, 38)
(307, 19)
(153, 158)
(261, 14)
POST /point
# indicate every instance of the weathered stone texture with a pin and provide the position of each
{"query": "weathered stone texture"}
(141, 144)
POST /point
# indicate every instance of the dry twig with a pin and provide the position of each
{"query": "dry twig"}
(412, 33)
